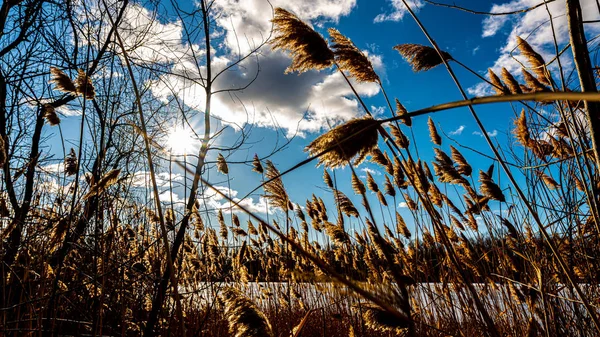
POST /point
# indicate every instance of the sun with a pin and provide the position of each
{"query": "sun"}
(180, 140)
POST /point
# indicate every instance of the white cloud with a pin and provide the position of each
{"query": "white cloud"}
(214, 200)
(371, 171)
(376, 61)
(303, 103)
(377, 110)
(142, 179)
(398, 10)
(480, 89)
(492, 133)
(493, 23)
(68, 112)
(170, 197)
(458, 131)
(57, 168)
(148, 40)
(534, 26)
(403, 205)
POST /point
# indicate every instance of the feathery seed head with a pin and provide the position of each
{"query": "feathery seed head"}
(521, 129)
(399, 137)
(350, 58)
(256, 165)
(307, 47)
(463, 166)
(275, 192)
(511, 82)
(533, 83)
(378, 319)
(62, 81)
(435, 136)
(421, 57)
(357, 185)
(243, 316)
(489, 188)
(50, 114)
(84, 85)
(498, 86)
(356, 137)
(71, 163)
(536, 60)
(222, 164)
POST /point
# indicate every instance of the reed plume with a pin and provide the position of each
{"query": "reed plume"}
(445, 170)
(521, 130)
(380, 320)
(401, 111)
(378, 157)
(538, 65)
(356, 137)
(243, 316)
(274, 190)
(222, 165)
(349, 58)
(533, 83)
(463, 166)
(62, 81)
(435, 136)
(401, 227)
(50, 114)
(548, 180)
(371, 184)
(388, 187)
(357, 185)
(84, 85)
(399, 137)
(327, 179)
(422, 58)
(105, 182)
(345, 204)
(381, 199)
(307, 47)
(498, 85)
(256, 165)
(510, 82)
(336, 233)
(71, 163)
(489, 187)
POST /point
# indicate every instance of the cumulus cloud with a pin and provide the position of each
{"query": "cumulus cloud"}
(480, 89)
(142, 179)
(403, 205)
(377, 110)
(458, 131)
(534, 26)
(493, 23)
(398, 10)
(215, 201)
(57, 168)
(492, 133)
(371, 171)
(301, 103)
(169, 197)
(149, 41)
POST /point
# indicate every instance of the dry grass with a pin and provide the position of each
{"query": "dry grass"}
(459, 250)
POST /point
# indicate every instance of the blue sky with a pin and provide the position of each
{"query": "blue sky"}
(276, 103)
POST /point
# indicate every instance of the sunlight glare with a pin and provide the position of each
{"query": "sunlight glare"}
(180, 140)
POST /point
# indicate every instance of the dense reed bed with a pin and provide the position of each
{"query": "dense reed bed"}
(509, 249)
